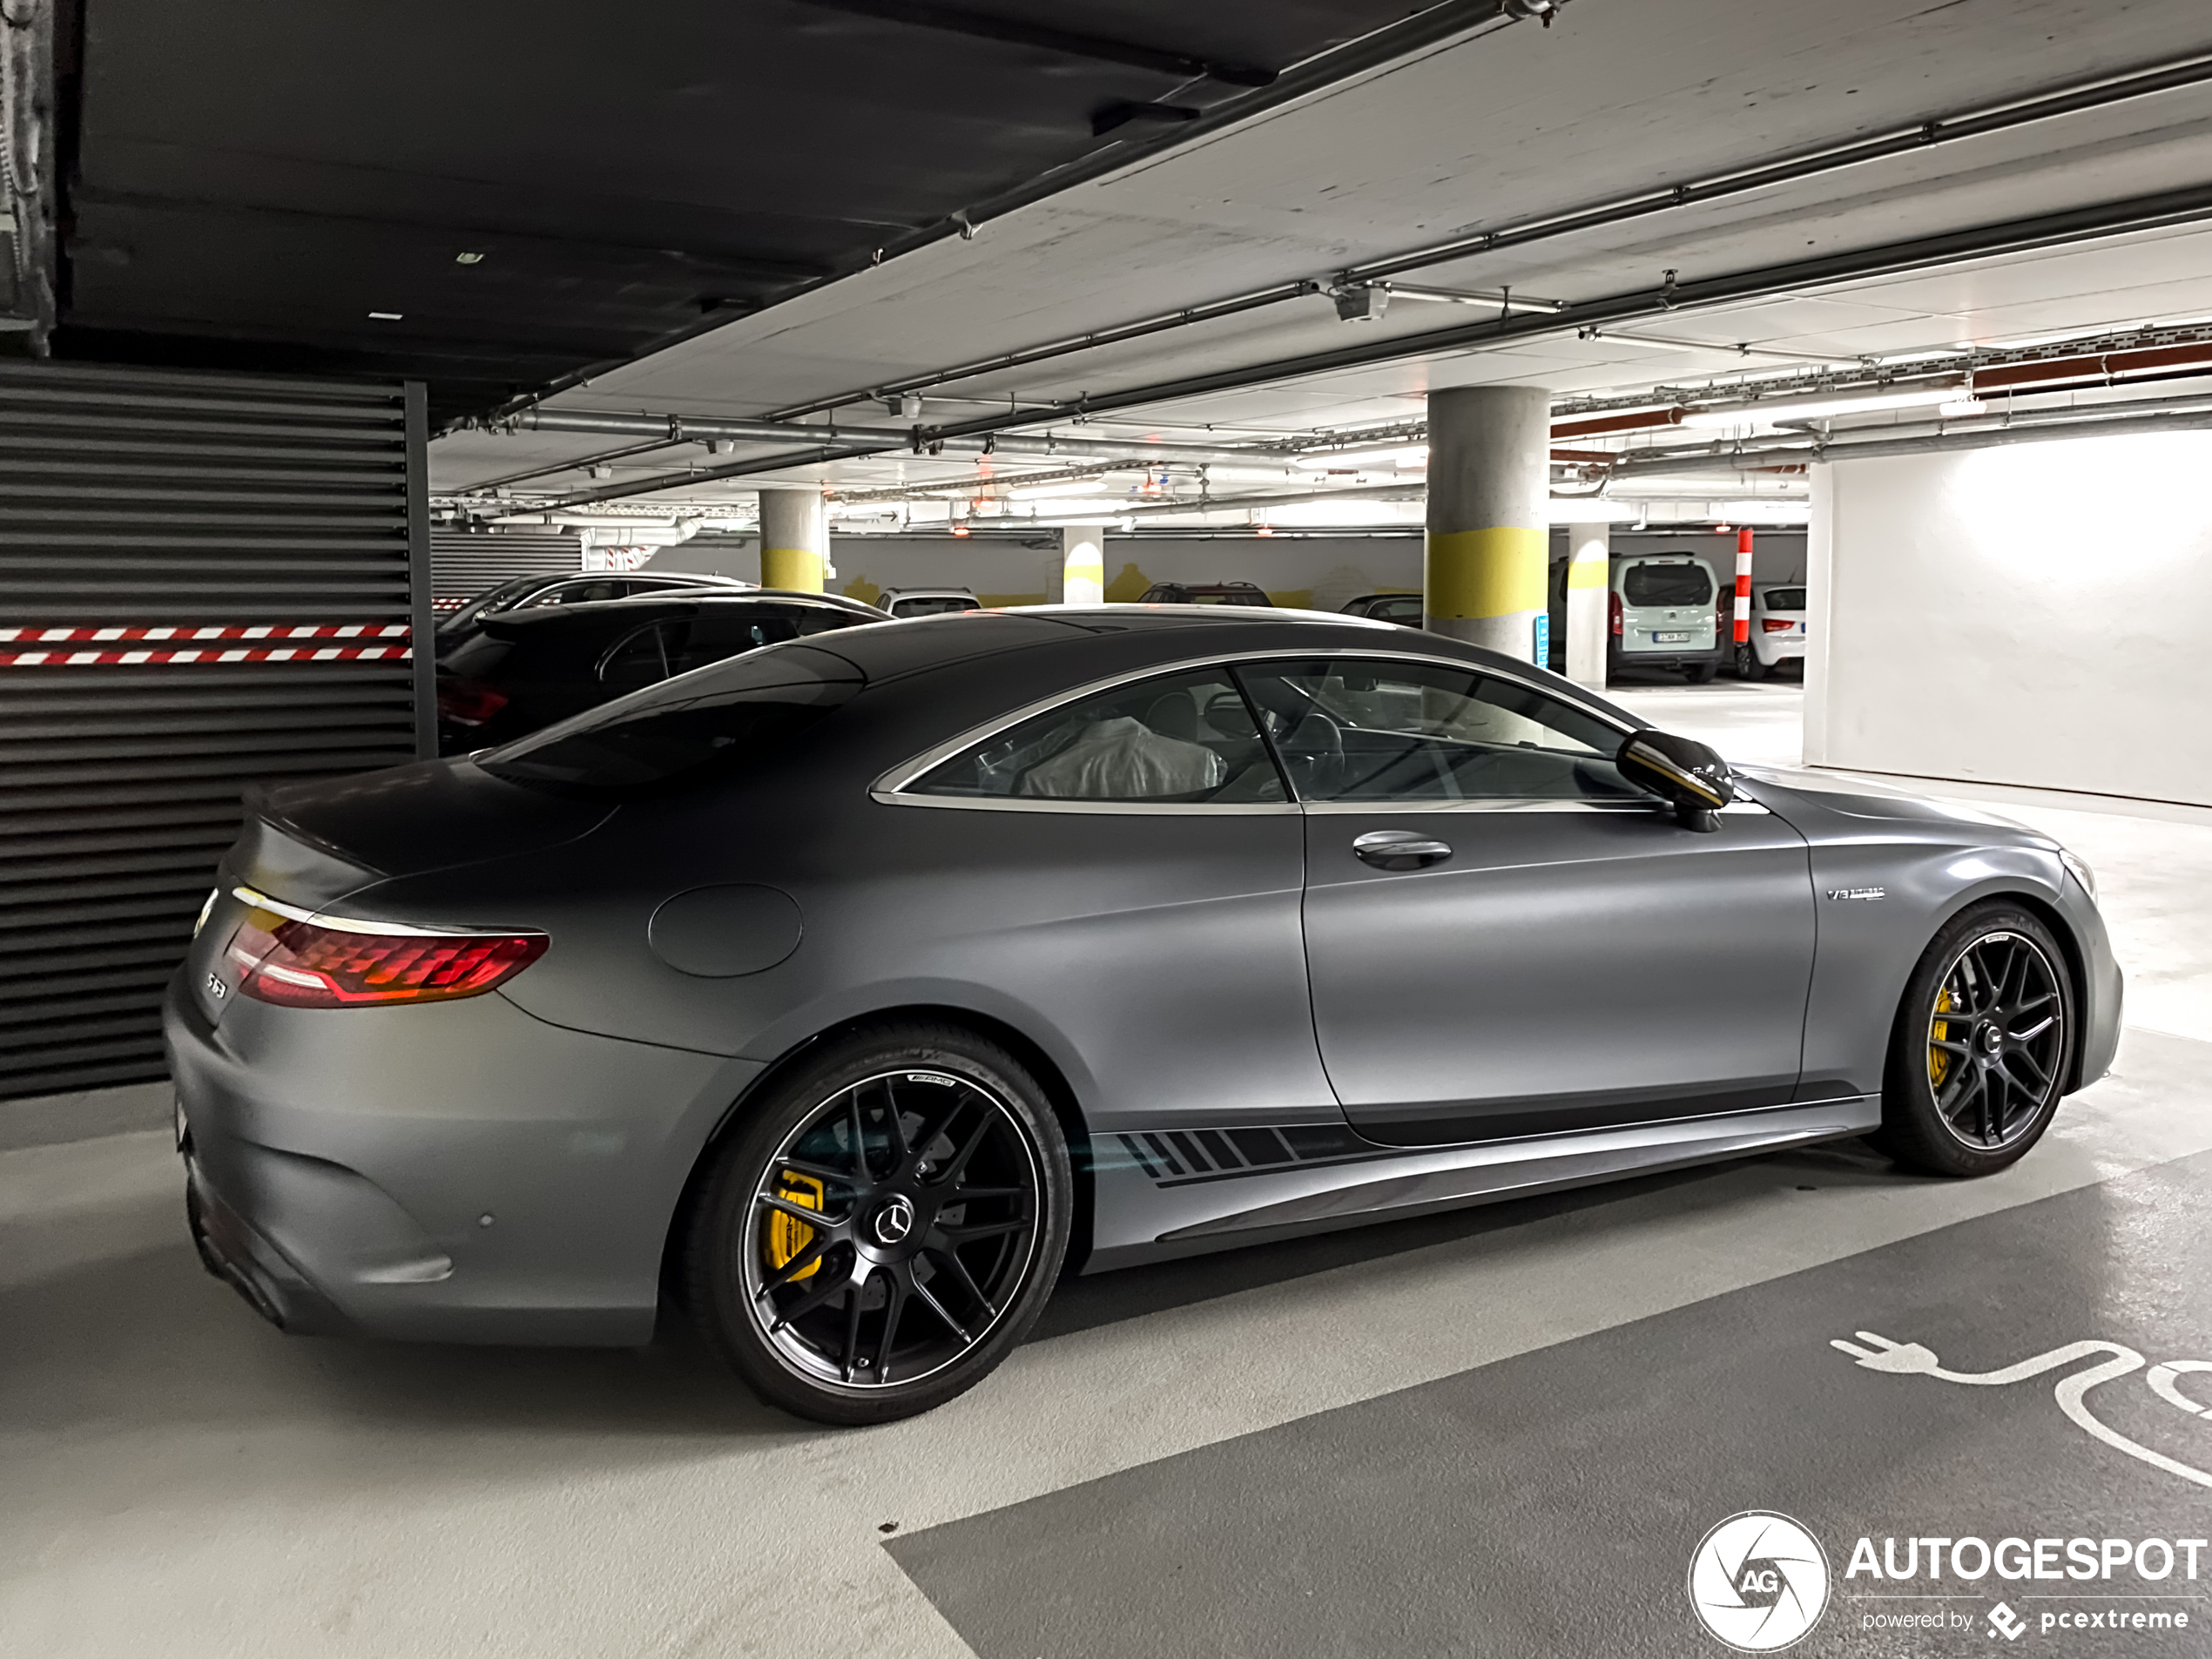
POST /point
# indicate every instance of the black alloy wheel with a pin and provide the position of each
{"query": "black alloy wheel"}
(886, 1229)
(1983, 1045)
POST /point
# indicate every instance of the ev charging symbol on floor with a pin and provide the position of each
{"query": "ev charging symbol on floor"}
(1759, 1582)
(1877, 1352)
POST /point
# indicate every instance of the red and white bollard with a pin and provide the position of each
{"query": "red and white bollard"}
(1742, 585)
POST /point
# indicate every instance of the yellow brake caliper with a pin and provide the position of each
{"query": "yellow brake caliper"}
(1939, 1061)
(787, 1237)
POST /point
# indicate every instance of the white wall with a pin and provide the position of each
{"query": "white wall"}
(2038, 614)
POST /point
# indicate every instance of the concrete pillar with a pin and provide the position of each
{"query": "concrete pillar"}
(1489, 485)
(1082, 565)
(1590, 570)
(794, 539)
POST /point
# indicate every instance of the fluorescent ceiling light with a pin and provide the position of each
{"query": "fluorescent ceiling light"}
(1085, 504)
(1815, 409)
(1048, 492)
(1960, 407)
(1592, 509)
(1408, 455)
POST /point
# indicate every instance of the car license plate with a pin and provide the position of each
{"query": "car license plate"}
(1671, 639)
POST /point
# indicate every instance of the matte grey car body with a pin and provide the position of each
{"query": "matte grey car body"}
(1248, 1030)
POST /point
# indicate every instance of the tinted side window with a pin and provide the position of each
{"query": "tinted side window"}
(1666, 584)
(716, 633)
(1183, 738)
(822, 619)
(641, 658)
(1358, 729)
(581, 591)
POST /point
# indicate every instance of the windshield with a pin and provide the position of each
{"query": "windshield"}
(684, 731)
(1666, 584)
(933, 604)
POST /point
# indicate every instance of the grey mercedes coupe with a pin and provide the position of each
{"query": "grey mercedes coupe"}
(843, 993)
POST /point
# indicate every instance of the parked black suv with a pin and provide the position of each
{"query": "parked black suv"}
(527, 668)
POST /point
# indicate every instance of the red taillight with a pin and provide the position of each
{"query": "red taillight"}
(306, 965)
(1613, 610)
(1768, 624)
(464, 703)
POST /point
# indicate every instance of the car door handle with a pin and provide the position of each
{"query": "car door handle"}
(1400, 849)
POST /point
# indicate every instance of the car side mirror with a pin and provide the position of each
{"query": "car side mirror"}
(1682, 771)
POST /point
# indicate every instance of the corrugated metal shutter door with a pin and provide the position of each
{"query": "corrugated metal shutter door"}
(465, 563)
(206, 582)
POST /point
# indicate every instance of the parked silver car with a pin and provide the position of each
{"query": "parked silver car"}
(851, 986)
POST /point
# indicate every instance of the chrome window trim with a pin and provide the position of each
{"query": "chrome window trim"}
(1511, 803)
(890, 788)
(1111, 808)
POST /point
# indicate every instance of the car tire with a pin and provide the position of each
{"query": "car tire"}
(1748, 666)
(1702, 674)
(1956, 1099)
(949, 1224)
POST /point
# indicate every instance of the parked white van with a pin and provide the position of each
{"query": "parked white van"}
(1663, 617)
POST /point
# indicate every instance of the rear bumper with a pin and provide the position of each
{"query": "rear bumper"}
(1670, 658)
(1779, 648)
(230, 1249)
(461, 1172)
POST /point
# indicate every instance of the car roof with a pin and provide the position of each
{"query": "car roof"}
(1149, 631)
(654, 607)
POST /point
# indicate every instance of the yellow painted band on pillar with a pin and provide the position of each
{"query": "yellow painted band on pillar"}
(1473, 574)
(1585, 573)
(1092, 572)
(796, 569)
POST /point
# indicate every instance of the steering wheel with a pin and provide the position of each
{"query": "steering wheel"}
(1314, 754)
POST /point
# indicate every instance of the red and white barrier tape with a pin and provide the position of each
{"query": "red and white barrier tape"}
(191, 632)
(272, 654)
(348, 642)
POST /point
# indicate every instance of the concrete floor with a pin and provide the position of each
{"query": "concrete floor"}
(1501, 1432)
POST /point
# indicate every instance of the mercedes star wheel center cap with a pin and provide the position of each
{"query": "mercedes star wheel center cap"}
(894, 1221)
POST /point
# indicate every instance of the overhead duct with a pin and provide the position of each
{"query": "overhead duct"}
(2038, 427)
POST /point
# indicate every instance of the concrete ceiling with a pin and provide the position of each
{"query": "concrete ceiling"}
(490, 195)
(1516, 125)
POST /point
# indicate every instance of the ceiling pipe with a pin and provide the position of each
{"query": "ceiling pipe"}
(2094, 365)
(685, 428)
(1285, 498)
(2166, 210)
(2022, 430)
(2073, 99)
(2070, 100)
